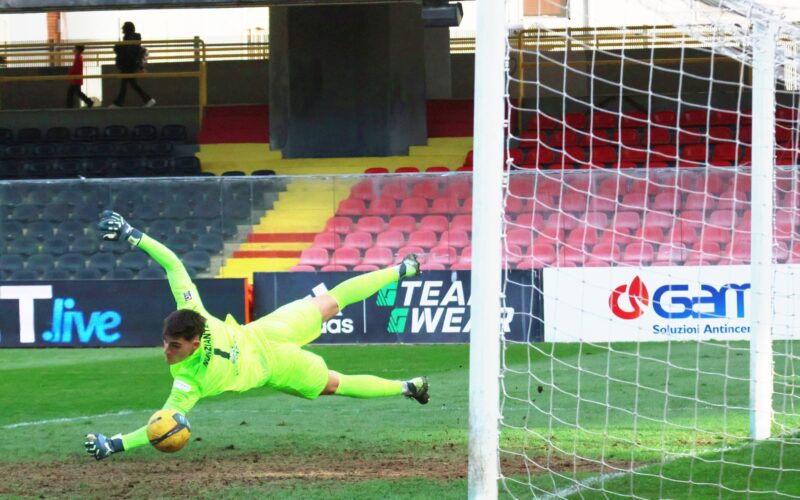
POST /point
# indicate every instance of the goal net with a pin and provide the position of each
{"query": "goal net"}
(652, 206)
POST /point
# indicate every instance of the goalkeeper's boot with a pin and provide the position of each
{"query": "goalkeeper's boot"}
(409, 266)
(417, 388)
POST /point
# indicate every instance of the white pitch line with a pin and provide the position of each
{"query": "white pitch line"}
(68, 419)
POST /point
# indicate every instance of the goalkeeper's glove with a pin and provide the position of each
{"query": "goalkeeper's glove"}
(114, 228)
(100, 447)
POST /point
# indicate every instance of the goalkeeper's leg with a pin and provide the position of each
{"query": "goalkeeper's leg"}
(370, 386)
(364, 286)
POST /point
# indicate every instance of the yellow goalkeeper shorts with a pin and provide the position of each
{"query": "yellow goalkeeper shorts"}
(291, 369)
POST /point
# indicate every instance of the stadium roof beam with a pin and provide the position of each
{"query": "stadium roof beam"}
(19, 6)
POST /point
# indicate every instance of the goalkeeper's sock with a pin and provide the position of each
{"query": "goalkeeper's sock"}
(368, 386)
(359, 288)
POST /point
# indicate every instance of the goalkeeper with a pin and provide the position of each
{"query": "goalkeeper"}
(208, 356)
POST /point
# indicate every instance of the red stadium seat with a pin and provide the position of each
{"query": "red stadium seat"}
(364, 190)
(390, 239)
(370, 224)
(521, 186)
(626, 136)
(458, 189)
(684, 233)
(461, 222)
(695, 152)
(426, 189)
(378, 256)
(604, 119)
(513, 205)
(597, 220)
(422, 238)
(667, 117)
(394, 189)
(602, 203)
(340, 225)
(603, 154)
(562, 138)
(365, 268)
(406, 170)
(436, 223)
(466, 255)
(670, 255)
(722, 218)
(376, 170)
(613, 236)
(726, 151)
(582, 236)
(468, 159)
(664, 152)
(327, 240)
(691, 136)
(437, 168)
(650, 233)
(634, 200)
(454, 238)
(703, 254)
(574, 153)
(695, 117)
(333, 268)
(720, 134)
(445, 206)
(530, 220)
(574, 202)
(403, 251)
(540, 121)
(540, 156)
(699, 201)
(715, 235)
(606, 252)
(655, 136)
(466, 205)
(351, 206)
(575, 119)
(444, 255)
(432, 266)
(628, 221)
(569, 254)
(313, 257)
(346, 256)
(634, 119)
(464, 168)
(638, 253)
(403, 223)
(724, 117)
(413, 206)
(520, 237)
(301, 268)
(634, 155)
(658, 219)
(358, 239)
(382, 206)
(541, 254)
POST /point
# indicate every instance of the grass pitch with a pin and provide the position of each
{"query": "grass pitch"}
(265, 444)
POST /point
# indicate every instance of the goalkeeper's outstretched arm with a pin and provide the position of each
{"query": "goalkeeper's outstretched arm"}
(114, 227)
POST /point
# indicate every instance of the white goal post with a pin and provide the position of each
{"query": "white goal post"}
(649, 207)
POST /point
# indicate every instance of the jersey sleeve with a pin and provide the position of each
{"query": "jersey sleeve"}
(183, 289)
(184, 395)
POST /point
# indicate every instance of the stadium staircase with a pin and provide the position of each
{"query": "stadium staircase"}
(276, 242)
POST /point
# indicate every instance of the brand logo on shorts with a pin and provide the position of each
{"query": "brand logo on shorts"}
(187, 295)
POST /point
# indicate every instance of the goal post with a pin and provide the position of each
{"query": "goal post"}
(649, 211)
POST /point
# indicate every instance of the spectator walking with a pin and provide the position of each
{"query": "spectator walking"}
(75, 85)
(130, 59)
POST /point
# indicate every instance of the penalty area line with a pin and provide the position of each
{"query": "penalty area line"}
(68, 419)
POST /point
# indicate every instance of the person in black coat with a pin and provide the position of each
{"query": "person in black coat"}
(130, 59)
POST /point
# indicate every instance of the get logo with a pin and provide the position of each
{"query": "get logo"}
(638, 299)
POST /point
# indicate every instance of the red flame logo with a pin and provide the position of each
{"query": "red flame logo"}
(638, 297)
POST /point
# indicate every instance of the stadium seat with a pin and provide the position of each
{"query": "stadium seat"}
(604, 119)
(461, 222)
(458, 189)
(370, 224)
(180, 243)
(684, 233)
(422, 238)
(186, 165)
(406, 170)
(29, 135)
(432, 266)
(378, 256)
(115, 133)
(198, 260)
(722, 218)
(540, 155)
(346, 256)
(211, 243)
(103, 262)
(6, 136)
(84, 245)
(152, 273)
(395, 190)
(11, 262)
(352, 207)
(173, 133)
(24, 245)
(40, 230)
(364, 190)
(157, 167)
(521, 237)
(382, 206)
(426, 189)
(55, 274)
(563, 138)
(703, 253)
(658, 219)
(666, 201)
(638, 253)
(376, 170)
(695, 153)
(413, 206)
(582, 236)
(656, 136)
(23, 275)
(122, 273)
(540, 121)
(444, 255)
(144, 132)
(302, 268)
(40, 263)
(135, 261)
(358, 239)
(314, 257)
(71, 262)
(574, 202)
(390, 239)
(603, 154)
(445, 206)
(333, 268)
(339, 225)
(437, 168)
(10, 230)
(454, 238)
(402, 223)
(626, 137)
(436, 223)
(401, 252)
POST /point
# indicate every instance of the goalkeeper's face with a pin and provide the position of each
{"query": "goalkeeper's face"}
(177, 349)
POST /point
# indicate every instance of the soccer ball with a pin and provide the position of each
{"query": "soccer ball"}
(168, 430)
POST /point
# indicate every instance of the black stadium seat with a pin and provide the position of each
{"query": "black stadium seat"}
(133, 260)
(152, 273)
(57, 134)
(29, 135)
(6, 136)
(173, 133)
(198, 260)
(116, 133)
(186, 165)
(86, 133)
(41, 230)
(85, 245)
(55, 245)
(122, 273)
(56, 211)
(211, 243)
(180, 243)
(103, 262)
(40, 263)
(24, 245)
(56, 274)
(88, 274)
(11, 262)
(144, 132)
(23, 275)
(71, 262)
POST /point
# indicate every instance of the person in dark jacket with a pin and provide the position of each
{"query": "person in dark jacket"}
(75, 85)
(129, 59)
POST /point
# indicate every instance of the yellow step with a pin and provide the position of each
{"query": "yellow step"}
(244, 268)
(275, 246)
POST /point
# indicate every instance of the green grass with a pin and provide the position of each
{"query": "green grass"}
(641, 406)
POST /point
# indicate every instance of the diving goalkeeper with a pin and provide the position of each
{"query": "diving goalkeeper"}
(208, 356)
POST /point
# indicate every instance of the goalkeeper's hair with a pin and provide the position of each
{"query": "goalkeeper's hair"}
(185, 324)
